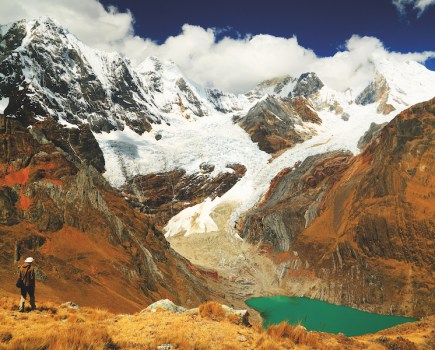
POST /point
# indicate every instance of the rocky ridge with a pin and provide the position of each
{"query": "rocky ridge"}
(164, 195)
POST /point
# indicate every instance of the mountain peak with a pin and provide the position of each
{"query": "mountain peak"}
(150, 63)
(394, 85)
(44, 25)
(308, 83)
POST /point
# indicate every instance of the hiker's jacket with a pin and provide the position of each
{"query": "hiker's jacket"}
(27, 274)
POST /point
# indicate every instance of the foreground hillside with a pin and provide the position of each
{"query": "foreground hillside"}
(62, 327)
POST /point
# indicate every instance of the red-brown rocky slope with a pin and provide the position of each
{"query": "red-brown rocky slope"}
(90, 246)
(360, 231)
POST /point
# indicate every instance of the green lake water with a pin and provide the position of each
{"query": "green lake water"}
(320, 316)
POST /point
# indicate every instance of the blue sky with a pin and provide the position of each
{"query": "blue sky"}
(233, 45)
(322, 26)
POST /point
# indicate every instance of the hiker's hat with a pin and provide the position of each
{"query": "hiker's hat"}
(29, 260)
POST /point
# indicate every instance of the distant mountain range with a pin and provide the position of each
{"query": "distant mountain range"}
(178, 152)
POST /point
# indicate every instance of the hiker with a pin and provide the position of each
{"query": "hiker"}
(27, 276)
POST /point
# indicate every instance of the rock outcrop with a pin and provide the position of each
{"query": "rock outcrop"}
(370, 135)
(168, 305)
(308, 84)
(164, 195)
(377, 91)
(293, 200)
(279, 123)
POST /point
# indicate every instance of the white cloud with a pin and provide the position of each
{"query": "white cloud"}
(353, 67)
(229, 64)
(238, 64)
(419, 5)
(233, 64)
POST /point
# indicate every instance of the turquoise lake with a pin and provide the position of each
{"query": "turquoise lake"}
(320, 316)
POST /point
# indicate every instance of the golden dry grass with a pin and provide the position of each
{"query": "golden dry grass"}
(51, 327)
(212, 310)
(76, 336)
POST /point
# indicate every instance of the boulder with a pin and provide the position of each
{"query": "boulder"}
(243, 315)
(167, 305)
(206, 168)
(69, 305)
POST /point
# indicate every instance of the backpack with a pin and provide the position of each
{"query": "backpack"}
(19, 283)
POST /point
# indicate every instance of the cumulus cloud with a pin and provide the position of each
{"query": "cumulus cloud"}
(354, 66)
(87, 19)
(419, 5)
(233, 64)
(238, 64)
(204, 55)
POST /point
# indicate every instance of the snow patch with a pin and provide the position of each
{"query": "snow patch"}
(4, 102)
(195, 219)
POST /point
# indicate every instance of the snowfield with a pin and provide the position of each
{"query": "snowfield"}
(216, 139)
(334, 134)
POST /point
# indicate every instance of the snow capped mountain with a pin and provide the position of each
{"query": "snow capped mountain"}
(398, 85)
(281, 86)
(46, 67)
(172, 92)
(152, 119)
(343, 120)
(52, 72)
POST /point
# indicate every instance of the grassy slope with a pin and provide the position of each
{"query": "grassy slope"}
(53, 327)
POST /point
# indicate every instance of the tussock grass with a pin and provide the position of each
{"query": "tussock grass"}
(97, 314)
(79, 337)
(10, 304)
(234, 319)
(212, 310)
(5, 337)
(297, 334)
(265, 342)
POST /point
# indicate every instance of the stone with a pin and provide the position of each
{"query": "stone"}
(69, 305)
(206, 168)
(243, 315)
(165, 304)
(166, 347)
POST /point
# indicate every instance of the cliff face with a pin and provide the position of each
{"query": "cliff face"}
(293, 200)
(279, 123)
(88, 243)
(367, 239)
(163, 195)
